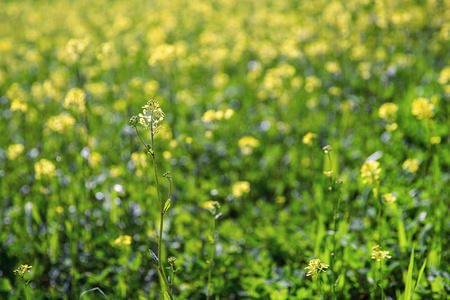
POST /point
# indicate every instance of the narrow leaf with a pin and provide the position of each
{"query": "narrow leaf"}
(167, 296)
(167, 205)
(420, 275)
(408, 285)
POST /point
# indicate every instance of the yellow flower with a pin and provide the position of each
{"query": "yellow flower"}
(44, 167)
(94, 159)
(328, 173)
(370, 171)
(211, 206)
(315, 267)
(389, 198)
(240, 188)
(246, 144)
(388, 111)
(209, 116)
(307, 139)
(59, 209)
(14, 150)
(378, 253)
(444, 76)
(76, 100)
(333, 67)
(20, 271)
(16, 105)
(391, 127)
(422, 108)
(411, 164)
(123, 240)
(435, 140)
(60, 123)
(228, 113)
(139, 159)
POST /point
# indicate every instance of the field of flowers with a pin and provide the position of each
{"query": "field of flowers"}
(307, 144)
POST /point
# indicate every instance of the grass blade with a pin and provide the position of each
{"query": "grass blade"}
(408, 285)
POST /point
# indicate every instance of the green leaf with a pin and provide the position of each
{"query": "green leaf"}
(166, 206)
(420, 275)
(167, 296)
(408, 285)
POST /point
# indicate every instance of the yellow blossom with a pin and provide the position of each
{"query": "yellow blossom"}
(44, 167)
(209, 116)
(228, 113)
(59, 209)
(378, 253)
(60, 123)
(370, 171)
(123, 240)
(20, 271)
(315, 267)
(328, 173)
(76, 100)
(139, 159)
(422, 108)
(16, 105)
(435, 140)
(388, 111)
(444, 76)
(246, 144)
(389, 198)
(307, 139)
(115, 171)
(14, 150)
(411, 164)
(94, 159)
(391, 127)
(211, 206)
(240, 188)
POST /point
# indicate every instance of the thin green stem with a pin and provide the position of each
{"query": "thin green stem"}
(212, 257)
(26, 291)
(320, 284)
(161, 223)
(381, 283)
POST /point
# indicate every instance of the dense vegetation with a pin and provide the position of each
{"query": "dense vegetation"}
(253, 91)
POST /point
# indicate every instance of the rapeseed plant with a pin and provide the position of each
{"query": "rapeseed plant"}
(315, 267)
(213, 208)
(151, 117)
(20, 272)
(379, 254)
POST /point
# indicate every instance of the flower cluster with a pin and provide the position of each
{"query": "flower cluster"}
(151, 115)
(44, 167)
(315, 267)
(240, 188)
(308, 138)
(370, 171)
(246, 144)
(422, 108)
(123, 240)
(378, 253)
(20, 271)
(211, 206)
(412, 165)
(76, 100)
(389, 198)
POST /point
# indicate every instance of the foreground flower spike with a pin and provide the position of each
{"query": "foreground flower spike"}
(378, 253)
(20, 271)
(315, 267)
(151, 115)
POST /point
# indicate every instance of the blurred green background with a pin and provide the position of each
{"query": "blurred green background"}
(242, 84)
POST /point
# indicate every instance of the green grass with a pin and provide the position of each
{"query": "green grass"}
(241, 83)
